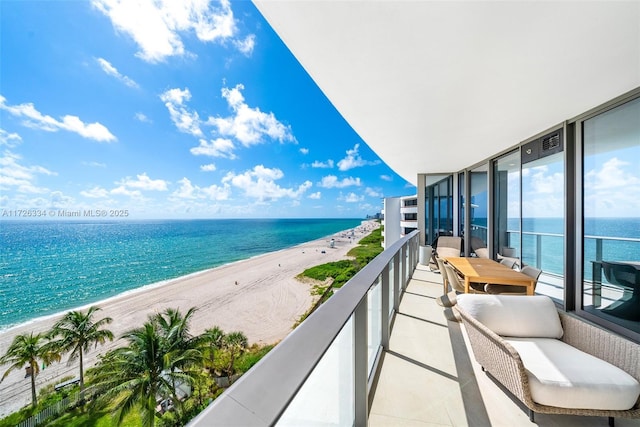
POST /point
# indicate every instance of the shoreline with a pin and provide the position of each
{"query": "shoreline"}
(142, 289)
(259, 296)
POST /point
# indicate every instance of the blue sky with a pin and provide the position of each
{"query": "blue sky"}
(171, 110)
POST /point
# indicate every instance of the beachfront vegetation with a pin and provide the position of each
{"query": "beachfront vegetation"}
(163, 376)
(334, 275)
(30, 350)
(76, 333)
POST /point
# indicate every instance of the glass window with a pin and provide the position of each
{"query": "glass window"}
(543, 239)
(611, 203)
(438, 207)
(479, 204)
(506, 220)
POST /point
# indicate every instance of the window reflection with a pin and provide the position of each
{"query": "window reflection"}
(438, 207)
(507, 206)
(479, 205)
(543, 240)
(611, 186)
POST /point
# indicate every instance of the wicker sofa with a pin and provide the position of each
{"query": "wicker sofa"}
(551, 361)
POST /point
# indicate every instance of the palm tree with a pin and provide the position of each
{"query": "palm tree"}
(78, 332)
(210, 341)
(150, 366)
(132, 375)
(29, 349)
(179, 347)
(235, 343)
(174, 327)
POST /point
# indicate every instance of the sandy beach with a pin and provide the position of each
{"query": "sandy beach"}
(259, 296)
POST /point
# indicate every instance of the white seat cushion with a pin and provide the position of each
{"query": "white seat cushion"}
(563, 376)
(514, 315)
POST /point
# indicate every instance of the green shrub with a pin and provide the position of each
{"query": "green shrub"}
(251, 357)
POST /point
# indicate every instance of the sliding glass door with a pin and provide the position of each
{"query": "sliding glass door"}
(611, 204)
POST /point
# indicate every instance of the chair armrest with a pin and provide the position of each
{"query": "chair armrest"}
(498, 357)
(602, 344)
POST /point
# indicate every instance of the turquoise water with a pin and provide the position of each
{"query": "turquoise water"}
(543, 240)
(49, 267)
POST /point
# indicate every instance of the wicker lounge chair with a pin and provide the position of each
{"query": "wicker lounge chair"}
(494, 337)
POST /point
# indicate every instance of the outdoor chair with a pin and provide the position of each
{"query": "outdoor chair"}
(551, 361)
(512, 289)
(448, 246)
(482, 253)
(509, 262)
(448, 298)
(457, 283)
(627, 277)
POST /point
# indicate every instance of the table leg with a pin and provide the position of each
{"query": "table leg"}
(466, 285)
(530, 288)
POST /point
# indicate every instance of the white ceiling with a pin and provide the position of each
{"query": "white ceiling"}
(436, 86)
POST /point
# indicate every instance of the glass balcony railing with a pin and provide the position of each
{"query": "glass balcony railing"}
(321, 373)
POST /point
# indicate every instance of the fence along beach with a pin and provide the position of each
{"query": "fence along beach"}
(259, 296)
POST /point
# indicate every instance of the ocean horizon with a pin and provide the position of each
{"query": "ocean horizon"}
(618, 239)
(49, 267)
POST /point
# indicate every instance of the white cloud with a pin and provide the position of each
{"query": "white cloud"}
(208, 168)
(95, 193)
(18, 177)
(613, 190)
(9, 139)
(220, 147)
(541, 182)
(354, 160)
(371, 192)
(611, 176)
(249, 125)
(331, 181)
(157, 26)
(351, 198)
(304, 151)
(323, 165)
(185, 120)
(35, 119)
(259, 183)
(386, 178)
(94, 164)
(143, 182)
(58, 200)
(142, 118)
(113, 72)
(189, 191)
(315, 196)
(124, 191)
(246, 46)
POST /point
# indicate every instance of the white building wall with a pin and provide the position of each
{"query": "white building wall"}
(392, 229)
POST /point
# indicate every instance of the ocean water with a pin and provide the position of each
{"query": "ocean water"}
(48, 267)
(543, 241)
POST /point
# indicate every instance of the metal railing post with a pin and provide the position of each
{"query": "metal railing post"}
(386, 319)
(361, 365)
(598, 249)
(403, 253)
(396, 282)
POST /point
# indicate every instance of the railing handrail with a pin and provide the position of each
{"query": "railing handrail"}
(586, 236)
(262, 394)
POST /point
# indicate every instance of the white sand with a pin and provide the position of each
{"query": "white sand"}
(265, 304)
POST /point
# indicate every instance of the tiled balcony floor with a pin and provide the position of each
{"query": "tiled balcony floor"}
(428, 378)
